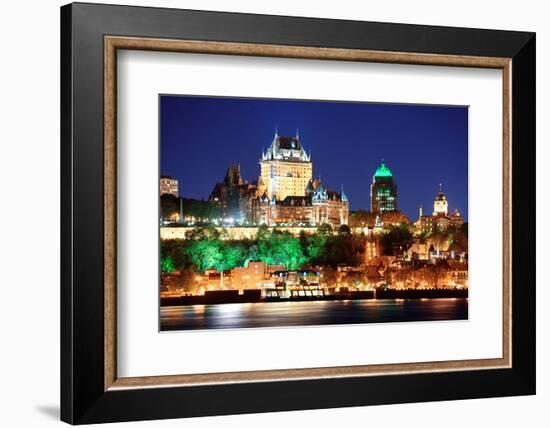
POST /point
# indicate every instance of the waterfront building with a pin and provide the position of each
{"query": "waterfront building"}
(440, 219)
(285, 169)
(273, 268)
(169, 186)
(218, 280)
(273, 280)
(250, 277)
(295, 283)
(383, 191)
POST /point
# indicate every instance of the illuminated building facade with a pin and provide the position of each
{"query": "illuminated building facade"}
(318, 206)
(284, 195)
(285, 169)
(287, 194)
(440, 219)
(441, 206)
(295, 283)
(383, 191)
(233, 194)
(250, 277)
(418, 250)
(372, 248)
(169, 186)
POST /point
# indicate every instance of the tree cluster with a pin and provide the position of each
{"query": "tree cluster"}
(207, 248)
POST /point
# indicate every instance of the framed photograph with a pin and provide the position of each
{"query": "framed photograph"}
(266, 213)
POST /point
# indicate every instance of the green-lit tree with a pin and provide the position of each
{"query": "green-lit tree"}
(205, 254)
(167, 264)
(292, 251)
(280, 248)
(234, 254)
(314, 247)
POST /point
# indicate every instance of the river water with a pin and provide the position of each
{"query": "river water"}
(278, 314)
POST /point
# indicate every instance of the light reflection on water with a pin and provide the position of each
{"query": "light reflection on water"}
(278, 314)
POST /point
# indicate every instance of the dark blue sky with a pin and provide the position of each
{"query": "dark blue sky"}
(422, 145)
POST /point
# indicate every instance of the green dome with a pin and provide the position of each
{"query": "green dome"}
(383, 171)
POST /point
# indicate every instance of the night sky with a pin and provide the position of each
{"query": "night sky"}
(422, 145)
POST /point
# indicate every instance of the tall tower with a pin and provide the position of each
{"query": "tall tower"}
(441, 207)
(285, 168)
(383, 191)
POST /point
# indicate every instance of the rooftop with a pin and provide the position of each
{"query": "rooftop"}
(286, 148)
(383, 171)
(288, 143)
(440, 197)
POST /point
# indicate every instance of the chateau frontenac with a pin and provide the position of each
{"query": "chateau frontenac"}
(285, 194)
(285, 169)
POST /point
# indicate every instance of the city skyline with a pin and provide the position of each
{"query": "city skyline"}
(423, 145)
(267, 192)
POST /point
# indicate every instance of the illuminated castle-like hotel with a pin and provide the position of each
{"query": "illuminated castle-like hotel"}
(285, 193)
(285, 169)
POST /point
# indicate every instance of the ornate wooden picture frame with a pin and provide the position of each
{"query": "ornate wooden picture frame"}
(91, 389)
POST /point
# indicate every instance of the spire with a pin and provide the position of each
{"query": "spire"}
(343, 196)
(440, 187)
(297, 134)
(420, 212)
(276, 131)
